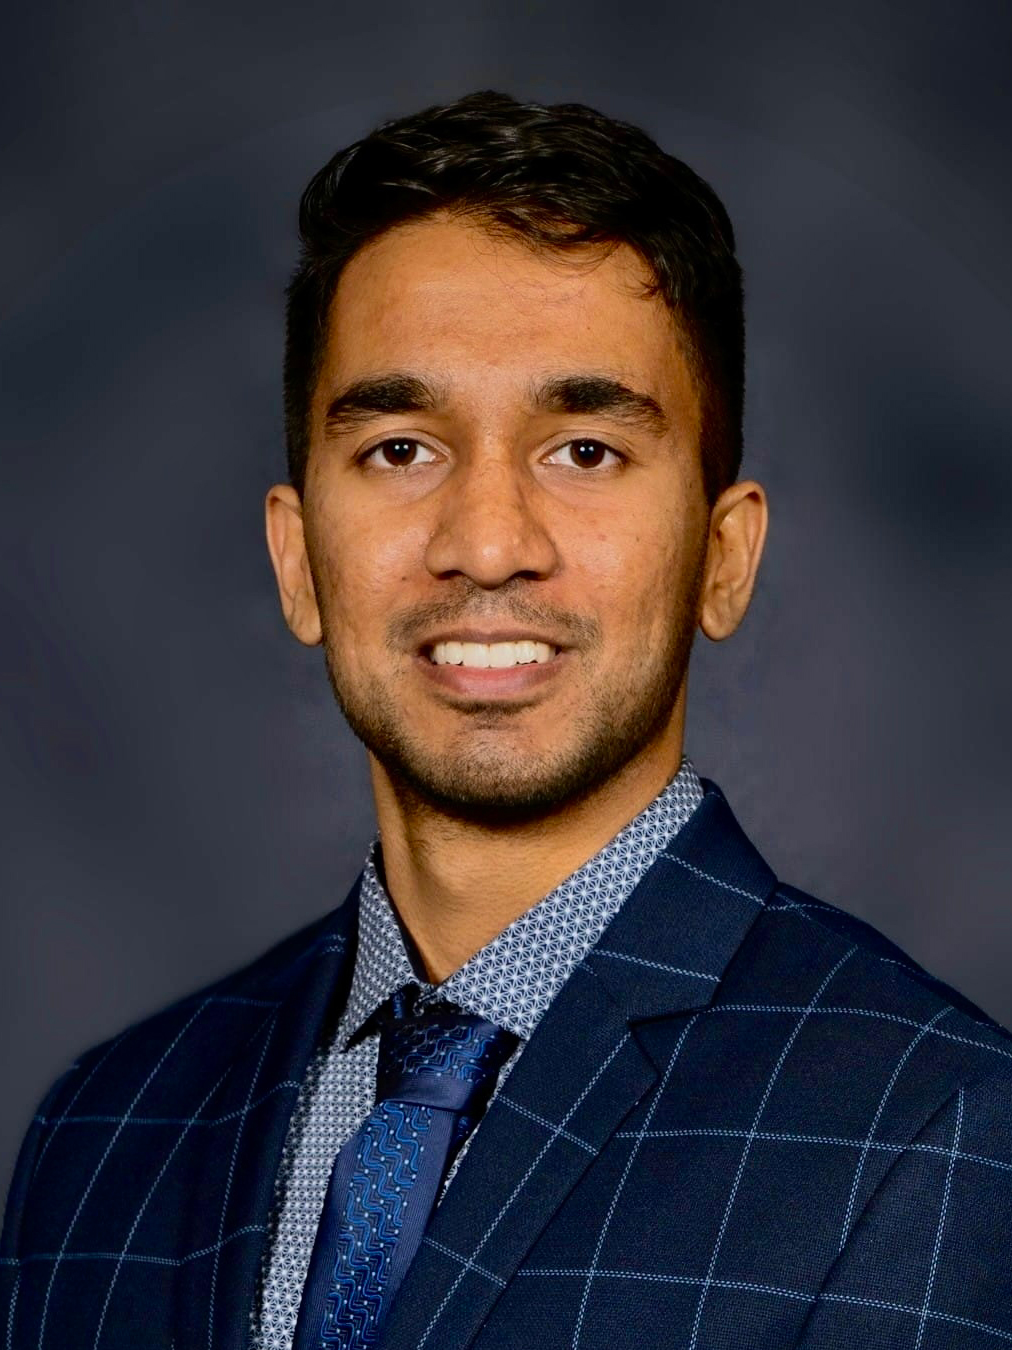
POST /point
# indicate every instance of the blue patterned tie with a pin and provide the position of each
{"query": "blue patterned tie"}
(437, 1069)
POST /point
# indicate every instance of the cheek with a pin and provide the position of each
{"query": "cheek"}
(367, 569)
(631, 569)
(639, 582)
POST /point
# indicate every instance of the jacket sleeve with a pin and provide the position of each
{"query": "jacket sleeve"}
(927, 1263)
(17, 1195)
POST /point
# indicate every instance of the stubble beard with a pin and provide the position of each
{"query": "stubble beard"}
(479, 777)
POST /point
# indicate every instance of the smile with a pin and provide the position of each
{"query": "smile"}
(491, 655)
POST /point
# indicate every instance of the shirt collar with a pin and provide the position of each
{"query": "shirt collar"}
(513, 978)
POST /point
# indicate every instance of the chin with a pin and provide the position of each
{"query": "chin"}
(484, 796)
(482, 786)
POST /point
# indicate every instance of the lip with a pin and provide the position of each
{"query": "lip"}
(488, 683)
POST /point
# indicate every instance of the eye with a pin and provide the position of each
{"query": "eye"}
(399, 452)
(584, 454)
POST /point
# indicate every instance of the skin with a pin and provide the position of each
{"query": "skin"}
(476, 516)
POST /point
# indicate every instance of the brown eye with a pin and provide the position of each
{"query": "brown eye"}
(584, 454)
(587, 454)
(399, 452)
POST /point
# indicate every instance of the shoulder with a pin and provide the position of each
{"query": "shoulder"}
(882, 963)
(260, 984)
(841, 1002)
(165, 1057)
(863, 1004)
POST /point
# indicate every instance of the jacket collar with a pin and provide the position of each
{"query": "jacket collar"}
(667, 949)
(515, 977)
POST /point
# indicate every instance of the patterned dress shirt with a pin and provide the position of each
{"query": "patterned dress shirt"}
(510, 981)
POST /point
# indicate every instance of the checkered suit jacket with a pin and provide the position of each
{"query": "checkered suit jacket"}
(746, 1122)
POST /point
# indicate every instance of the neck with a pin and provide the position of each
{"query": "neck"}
(457, 884)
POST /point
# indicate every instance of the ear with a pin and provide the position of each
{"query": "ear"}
(737, 534)
(286, 543)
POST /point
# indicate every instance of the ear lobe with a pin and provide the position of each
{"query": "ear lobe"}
(737, 534)
(286, 544)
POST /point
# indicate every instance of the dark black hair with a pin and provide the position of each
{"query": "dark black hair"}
(556, 177)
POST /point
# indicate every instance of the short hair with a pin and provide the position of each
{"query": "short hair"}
(555, 177)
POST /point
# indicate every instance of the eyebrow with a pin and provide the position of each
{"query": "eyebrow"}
(377, 395)
(575, 394)
(401, 392)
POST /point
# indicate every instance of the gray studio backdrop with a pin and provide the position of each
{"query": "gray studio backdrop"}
(178, 789)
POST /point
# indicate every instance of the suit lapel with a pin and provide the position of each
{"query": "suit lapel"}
(229, 1190)
(668, 947)
(586, 1066)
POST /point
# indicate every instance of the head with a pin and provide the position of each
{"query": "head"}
(513, 399)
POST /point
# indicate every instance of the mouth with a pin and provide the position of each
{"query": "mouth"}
(487, 667)
(492, 655)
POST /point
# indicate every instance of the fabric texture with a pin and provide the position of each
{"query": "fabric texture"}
(510, 982)
(436, 1071)
(745, 1122)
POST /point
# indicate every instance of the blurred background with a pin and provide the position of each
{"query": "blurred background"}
(177, 786)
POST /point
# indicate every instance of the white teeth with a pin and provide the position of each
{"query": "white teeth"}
(475, 654)
(498, 655)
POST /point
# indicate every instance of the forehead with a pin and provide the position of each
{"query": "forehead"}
(449, 297)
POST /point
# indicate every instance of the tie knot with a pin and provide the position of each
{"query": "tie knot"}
(440, 1056)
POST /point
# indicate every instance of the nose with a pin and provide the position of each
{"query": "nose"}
(490, 527)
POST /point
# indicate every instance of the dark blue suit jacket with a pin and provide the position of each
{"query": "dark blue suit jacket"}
(746, 1121)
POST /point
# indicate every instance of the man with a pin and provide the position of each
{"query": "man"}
(569, 1067)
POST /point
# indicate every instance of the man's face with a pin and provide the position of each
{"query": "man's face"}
(504, 517)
